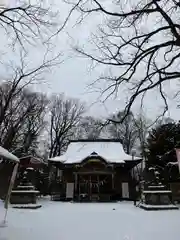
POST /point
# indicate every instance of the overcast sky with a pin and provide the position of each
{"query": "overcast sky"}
(73, 76)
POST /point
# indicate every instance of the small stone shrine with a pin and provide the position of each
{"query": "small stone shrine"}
(156, 196)
(25, 195)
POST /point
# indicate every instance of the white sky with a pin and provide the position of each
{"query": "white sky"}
(73, 76)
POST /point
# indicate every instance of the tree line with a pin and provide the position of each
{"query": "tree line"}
(29, 118)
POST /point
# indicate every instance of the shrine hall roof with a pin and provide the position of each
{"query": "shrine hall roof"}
(110, 151)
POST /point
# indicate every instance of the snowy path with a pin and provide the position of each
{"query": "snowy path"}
(90, 221)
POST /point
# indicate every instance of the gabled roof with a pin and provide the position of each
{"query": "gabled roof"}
(110, 151)
(7, 155)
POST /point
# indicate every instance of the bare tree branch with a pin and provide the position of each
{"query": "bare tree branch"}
(65, 114)
(145, 55)
(20, 77)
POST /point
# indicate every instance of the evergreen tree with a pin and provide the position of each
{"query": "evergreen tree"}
(161, 144)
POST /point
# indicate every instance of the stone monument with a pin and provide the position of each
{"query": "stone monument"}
(156, 196)
(25, 195)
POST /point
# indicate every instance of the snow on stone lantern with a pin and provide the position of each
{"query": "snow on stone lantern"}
(156, 196)
(25, 194)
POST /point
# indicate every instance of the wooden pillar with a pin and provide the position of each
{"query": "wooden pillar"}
(133, 173)
(90, 194)
(112, 181)
(56, 171)
(79, 190)
(75, 185)
(98, 185)
(75, 181)
(112, 167)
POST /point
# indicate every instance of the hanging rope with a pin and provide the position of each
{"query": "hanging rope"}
(94, 184)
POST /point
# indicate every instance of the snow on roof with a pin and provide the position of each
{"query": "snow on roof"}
(173, 163)
(6, 154)
(30, 168)
(77, 151)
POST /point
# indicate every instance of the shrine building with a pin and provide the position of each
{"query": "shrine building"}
(93, 170)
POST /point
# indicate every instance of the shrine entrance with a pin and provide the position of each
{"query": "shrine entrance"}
(94, 180)
(94, 186)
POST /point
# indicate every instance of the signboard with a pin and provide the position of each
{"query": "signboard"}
(125, 190)
(94, 160)
(70, 190)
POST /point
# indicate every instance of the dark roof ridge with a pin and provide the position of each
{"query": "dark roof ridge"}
(98, 140)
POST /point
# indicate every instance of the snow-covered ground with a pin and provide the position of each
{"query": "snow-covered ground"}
(90, 221)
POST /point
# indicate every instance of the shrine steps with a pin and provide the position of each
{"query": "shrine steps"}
(158, 207)
(26, 206)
